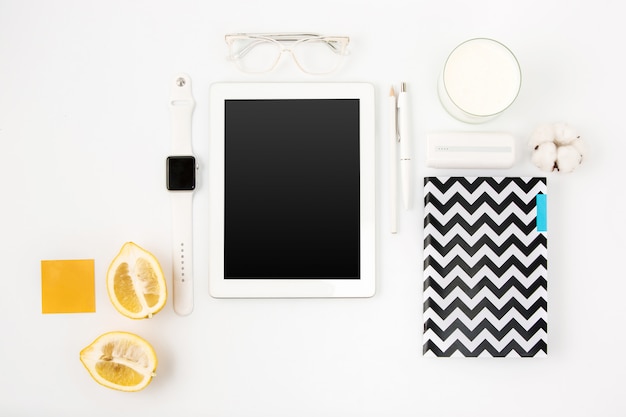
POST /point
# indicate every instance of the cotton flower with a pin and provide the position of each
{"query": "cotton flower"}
(556, 147)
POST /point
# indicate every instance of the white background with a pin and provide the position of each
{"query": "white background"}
(84, 132)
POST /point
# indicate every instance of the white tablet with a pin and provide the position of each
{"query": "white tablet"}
(292, 190)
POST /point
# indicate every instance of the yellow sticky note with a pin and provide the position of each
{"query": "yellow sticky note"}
(68, 286)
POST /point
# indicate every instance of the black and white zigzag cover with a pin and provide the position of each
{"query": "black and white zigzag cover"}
(485, 267)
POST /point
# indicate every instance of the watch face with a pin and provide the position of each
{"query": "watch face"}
(181, 173)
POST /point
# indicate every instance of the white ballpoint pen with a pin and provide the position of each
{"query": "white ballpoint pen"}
(393, 170)
(405, 146)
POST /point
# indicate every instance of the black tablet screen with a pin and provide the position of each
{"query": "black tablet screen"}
(292, 198)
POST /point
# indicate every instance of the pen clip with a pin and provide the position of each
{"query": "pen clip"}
(397, 117)
(398, 137)
(399, 103)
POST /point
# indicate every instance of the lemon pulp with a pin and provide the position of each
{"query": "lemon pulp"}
(120, 360)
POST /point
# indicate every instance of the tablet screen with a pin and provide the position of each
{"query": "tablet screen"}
(291, 189)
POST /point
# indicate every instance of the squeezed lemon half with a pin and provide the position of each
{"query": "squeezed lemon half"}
(121, 361)
(135, 282)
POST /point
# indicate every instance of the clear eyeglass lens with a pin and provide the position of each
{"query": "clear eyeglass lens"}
(255, 55)
(318, 56)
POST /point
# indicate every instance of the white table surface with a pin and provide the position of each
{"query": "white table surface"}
(84, 131)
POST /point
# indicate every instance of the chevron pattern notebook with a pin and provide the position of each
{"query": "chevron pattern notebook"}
(485, 267)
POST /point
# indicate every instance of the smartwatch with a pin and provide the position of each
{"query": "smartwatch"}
(180, 174)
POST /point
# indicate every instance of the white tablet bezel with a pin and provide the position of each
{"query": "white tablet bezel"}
(287, 288)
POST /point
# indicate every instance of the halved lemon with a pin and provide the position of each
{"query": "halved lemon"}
(135, 282)
(120, 360)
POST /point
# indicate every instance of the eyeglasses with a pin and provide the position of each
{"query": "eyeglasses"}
(261, 52)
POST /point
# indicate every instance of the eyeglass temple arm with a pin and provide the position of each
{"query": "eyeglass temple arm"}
(330, 41)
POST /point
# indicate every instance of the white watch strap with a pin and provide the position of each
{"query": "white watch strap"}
(181, 109)
(182, 250)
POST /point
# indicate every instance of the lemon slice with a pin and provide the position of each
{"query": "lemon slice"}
(135, 282)
(120, 360)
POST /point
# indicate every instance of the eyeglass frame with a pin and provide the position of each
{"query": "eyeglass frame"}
(278, 39)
